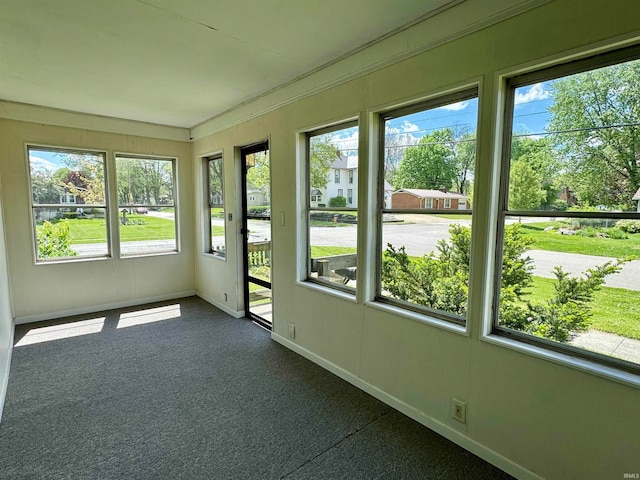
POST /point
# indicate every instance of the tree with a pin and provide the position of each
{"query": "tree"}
(464, 153)
(322, 154)
(260, 174)
(431, 164)
(599, 111)
(439, 280)
(525, 192)
(539, 153)
(84, 176)
(44, 187)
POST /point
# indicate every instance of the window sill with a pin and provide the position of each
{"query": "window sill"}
(582, 364)
(150, 254)
(63, 261)
(419, 317)
(215, 256)
(351, 297)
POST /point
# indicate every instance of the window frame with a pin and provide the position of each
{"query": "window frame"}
(174, 204)
(467, 93)
(336, 176)
(522, 340)
(207, 160)
(307, 209)
(29, 146)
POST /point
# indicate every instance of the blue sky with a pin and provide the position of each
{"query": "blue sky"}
(530, 116)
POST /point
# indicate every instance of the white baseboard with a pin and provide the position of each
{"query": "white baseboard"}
(101, 307)
(437, 426)
(4, 384)
(221, 306)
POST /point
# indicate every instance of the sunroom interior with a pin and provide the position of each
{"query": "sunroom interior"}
(535, 407)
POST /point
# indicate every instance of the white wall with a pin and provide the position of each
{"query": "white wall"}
(6, 316)
(53, 290)
(530, 416)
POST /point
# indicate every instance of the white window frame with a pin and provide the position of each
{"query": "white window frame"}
(604, 365)
(438, 317)
(128, 206)
(447, 203)
(210, 247)
(344, 291)
(33, 206)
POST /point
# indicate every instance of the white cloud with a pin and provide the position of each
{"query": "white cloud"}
(407, 126)
(347, 143)
(535, 92)
(456, 107)
(38, 163)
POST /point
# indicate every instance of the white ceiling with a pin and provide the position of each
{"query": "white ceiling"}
(179, 62)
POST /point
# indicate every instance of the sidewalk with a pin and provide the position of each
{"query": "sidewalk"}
(609, 344)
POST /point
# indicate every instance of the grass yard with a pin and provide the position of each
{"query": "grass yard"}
(603, 247)
(615, 310)
(93, 230)
(317, 252)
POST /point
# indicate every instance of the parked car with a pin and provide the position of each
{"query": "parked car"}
(141, 210)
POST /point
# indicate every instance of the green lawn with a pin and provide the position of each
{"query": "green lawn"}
(317, 252)
(463, 216)
(615, 310)
(92, 230)
(604, 247)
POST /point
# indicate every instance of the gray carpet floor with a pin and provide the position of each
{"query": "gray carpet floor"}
(201, 396)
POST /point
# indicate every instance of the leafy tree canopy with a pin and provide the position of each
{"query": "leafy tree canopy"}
(431, 164)
(599, 112)
(321, 156)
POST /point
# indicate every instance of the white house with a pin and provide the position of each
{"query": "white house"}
(342, 181)
(636, 197)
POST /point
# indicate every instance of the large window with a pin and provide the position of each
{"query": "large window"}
(68, 203)
(146, 204)
(332, 228)
(216, 212)
(569, 224)
(427, 161)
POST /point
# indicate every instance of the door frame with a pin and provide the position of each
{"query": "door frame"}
(261, 146)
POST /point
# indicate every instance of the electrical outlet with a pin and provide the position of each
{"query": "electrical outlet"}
(459, 410)
(292, 330)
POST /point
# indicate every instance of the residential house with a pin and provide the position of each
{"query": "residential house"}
(342, 180)
(437, 199)
(636, 197)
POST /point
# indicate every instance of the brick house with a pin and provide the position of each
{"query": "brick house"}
(437, 199)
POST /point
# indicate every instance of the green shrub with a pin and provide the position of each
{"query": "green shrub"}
(629, 226)
(615, 233)
(338, 201)
(54, 240)
(440, 280)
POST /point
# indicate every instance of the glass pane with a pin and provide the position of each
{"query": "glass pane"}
(260, 301)
(147, 230)
(146, 182)
(333, 243)
(425, 261)
(216, 204)
(429, 163)
(66, 177)
(68, 232)
(259, 247)
(333, 167)
(571, 281)
(429, 158)
(575, 142)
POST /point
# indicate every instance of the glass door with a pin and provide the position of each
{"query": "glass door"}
(256, 233)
